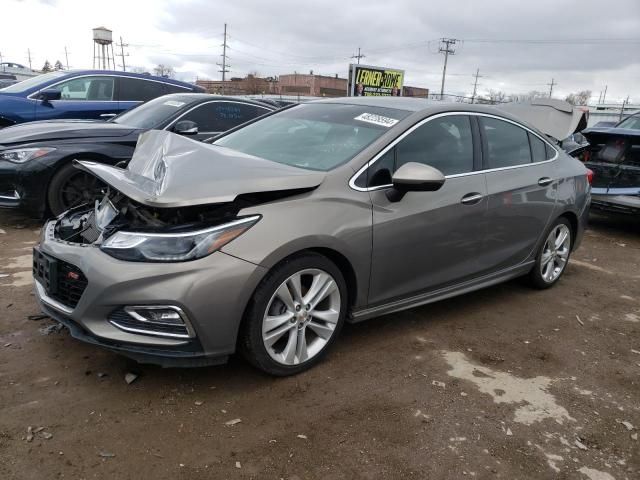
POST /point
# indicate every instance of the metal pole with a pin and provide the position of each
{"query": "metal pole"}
(29, 54)
(66, 56)
(475, 86)
(605, 93)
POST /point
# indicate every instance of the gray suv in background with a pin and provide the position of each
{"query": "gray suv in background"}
(269, 239)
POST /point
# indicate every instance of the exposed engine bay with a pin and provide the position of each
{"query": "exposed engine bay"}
(115, 212)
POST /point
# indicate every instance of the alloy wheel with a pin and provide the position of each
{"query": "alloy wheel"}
(80, 188)
(555, 253)
(301, 316)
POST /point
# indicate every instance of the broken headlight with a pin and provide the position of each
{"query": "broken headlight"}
(174, 247)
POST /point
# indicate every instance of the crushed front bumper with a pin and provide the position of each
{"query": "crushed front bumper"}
(212, 292)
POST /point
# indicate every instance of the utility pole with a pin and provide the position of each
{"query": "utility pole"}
(224, 65)
(445, 47)
(475, 85)
(122, 54)
(29, 55)
(66, 56)
(624, 103)
(599, 97)
(358, 56)
(604, 95)
(551, 85)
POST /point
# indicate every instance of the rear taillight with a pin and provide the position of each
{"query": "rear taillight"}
(589, 176)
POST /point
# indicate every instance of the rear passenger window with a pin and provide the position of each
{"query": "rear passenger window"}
(139, 90)
(507, 144)
(538, 149)
(551, 152)
(231, 114)
(444, 143)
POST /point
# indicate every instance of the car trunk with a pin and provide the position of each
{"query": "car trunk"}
(614, 157)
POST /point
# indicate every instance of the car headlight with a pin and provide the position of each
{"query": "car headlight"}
(174, 247)
(21, 155)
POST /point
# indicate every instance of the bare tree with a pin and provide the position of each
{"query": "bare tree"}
(527, 97)
(493, 97)
(58, 65)
(164, 71)
(579, 98)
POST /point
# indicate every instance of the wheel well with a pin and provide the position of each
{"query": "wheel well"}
(345, 267)
(65, 161)
(573, 222)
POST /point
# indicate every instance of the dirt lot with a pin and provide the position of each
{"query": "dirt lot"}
(503, 383)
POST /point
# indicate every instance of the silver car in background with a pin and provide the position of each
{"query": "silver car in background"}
(269, 239)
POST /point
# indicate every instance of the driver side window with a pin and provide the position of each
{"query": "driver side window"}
(445, 143)
(87, 89)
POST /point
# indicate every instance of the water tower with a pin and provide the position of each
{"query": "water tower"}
(102, 40)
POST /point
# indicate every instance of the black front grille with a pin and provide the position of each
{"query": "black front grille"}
(122, 319)
(61, 280)
(71, 284)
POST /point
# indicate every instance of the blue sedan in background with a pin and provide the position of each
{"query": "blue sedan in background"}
(82, 94)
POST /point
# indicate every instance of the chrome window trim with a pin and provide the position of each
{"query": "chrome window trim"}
(214, 101)
(114, 87)
(380, 154)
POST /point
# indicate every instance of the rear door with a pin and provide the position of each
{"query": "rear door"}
(90, 97)
(522, 187)
(134, 91)
(428, 240)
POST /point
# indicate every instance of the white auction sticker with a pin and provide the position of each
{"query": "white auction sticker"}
(377, 119)
(173, 103)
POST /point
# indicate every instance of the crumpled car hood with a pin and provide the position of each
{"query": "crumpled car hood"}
(555, 118)
(169, 170)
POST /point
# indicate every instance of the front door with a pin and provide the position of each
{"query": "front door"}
(429, 240)
(81, 98)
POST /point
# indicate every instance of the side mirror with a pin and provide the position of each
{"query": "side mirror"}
(186, 127)
(49, 94)
(414, 177)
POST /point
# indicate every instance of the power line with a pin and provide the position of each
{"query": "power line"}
(224, 56)
(475, 85)
(122, 54)
(551, 85)
(358, 56)
(445, 47)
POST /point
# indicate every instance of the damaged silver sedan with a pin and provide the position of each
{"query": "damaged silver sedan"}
(269, 239)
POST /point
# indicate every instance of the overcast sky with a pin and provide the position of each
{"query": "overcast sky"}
(518, 46)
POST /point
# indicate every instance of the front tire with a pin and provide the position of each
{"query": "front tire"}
(71, 187)
(295, 315)
(553, 255)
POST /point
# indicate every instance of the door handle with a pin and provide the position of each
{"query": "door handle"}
(471, 198)
(544, 181)
(108, 116)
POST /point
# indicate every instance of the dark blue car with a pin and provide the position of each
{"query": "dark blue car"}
(82, 94)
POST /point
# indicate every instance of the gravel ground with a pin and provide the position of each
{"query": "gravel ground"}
(505, 383)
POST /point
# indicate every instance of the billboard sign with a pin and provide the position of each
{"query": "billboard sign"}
(366, 80)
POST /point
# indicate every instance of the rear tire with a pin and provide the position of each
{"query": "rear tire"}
(553, 255)
(71, 187)
(295, 315)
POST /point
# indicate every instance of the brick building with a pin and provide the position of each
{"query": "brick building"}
(292, 84)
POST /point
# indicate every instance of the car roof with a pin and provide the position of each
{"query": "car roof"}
(74, 73)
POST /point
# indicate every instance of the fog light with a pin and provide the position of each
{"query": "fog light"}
(157, 320)
(164, 316)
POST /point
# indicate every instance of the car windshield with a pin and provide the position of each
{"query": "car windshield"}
(29, 83)
(317, 136)
(154, 112)
(632, 122)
